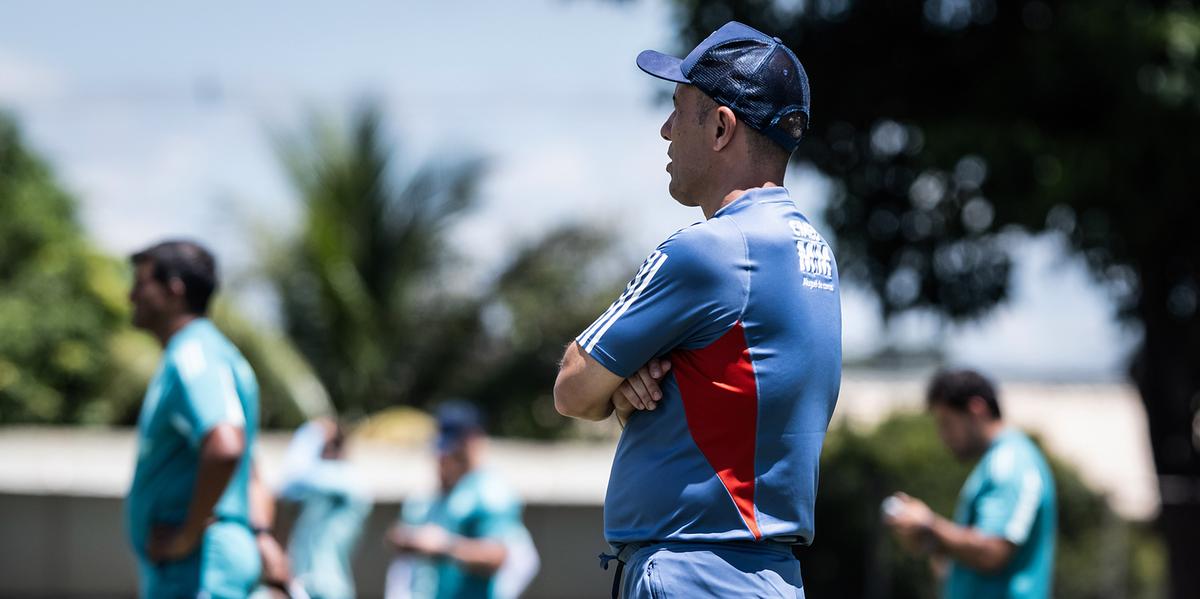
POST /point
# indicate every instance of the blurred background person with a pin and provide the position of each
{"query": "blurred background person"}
(468, 539)
(188, 509)
(1001, 541)
(334, 503)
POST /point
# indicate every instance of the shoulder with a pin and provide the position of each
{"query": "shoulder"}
(188, 357)
(494, 494)
(705, 248)
(705, 237)
(1013, 457)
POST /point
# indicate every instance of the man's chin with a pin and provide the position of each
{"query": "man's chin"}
(678, 195)
(139, 323)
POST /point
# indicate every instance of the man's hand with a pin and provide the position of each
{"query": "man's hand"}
(911, 520)
(923, 532)
(170, 543)
(428, 540)
(276, 568)
(641, 391)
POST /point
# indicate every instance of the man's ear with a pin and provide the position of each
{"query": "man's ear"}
(978, 406)
(727, 124)
(176, 287)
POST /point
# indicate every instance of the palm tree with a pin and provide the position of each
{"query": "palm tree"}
(360, 285)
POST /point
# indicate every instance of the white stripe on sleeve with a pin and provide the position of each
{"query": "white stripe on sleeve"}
(1027, 503)
(657, 263)
(234, 414)
(612, 309)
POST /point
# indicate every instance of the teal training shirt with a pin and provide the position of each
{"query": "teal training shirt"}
(1010, 494)
(201, 382)
(480, 506)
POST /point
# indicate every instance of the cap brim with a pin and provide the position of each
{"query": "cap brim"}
(662, 66)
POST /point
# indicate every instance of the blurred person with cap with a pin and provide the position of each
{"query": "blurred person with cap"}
(188, 507)
(1000, 543)
(722, 358)
(467, 540)
(334, 504)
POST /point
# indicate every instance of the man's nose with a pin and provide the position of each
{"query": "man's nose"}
(665, 130)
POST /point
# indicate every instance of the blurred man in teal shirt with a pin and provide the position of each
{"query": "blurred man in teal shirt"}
(188, 507)
(334, 503)
(1001, 541)
(467, 541)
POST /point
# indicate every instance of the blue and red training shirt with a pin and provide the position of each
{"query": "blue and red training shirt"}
(746, 307)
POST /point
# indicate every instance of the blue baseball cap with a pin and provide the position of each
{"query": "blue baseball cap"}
(456, 421)
(752, 73)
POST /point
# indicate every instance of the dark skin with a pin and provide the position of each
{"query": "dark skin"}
(967, 433)
(478, 556)
(160, 309)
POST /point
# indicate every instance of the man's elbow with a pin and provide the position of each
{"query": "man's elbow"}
(996, 557)
(224, 444)
(569, 402)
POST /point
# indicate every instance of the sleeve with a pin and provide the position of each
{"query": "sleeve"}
(1007, 508)
(207, 394)
(499, 514)
(303, 453)
(520, 566)
(686, 294)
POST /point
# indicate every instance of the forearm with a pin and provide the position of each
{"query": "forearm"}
(211, 479)
(220, 453)
(583, 388)
(968, 546)
(576, 407)
(480, 556)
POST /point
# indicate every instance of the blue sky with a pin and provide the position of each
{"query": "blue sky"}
(157, 116)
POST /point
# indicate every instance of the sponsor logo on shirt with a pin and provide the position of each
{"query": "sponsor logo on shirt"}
(816, 259)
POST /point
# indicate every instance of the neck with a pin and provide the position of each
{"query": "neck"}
(734, 188)
(991, 430)
(171, 326)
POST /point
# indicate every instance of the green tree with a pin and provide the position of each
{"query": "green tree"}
(946, 122)
(549, 291)
(68, 354)
(374, 296)
(61, 303)
(361, 286)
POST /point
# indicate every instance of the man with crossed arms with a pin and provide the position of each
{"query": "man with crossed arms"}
(723, 356)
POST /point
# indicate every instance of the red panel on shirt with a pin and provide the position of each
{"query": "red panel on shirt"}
(720, 399)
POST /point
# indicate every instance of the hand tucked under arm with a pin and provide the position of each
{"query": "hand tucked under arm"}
(641, 391)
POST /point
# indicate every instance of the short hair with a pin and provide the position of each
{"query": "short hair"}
(954, 388)
(762, 148)
(187, 261)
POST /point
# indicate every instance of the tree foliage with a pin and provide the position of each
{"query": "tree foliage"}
(361, 285)
(68, 354)
(376, 297)
(61, 303)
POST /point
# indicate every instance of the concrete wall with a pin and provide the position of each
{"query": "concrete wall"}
(74, 547)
